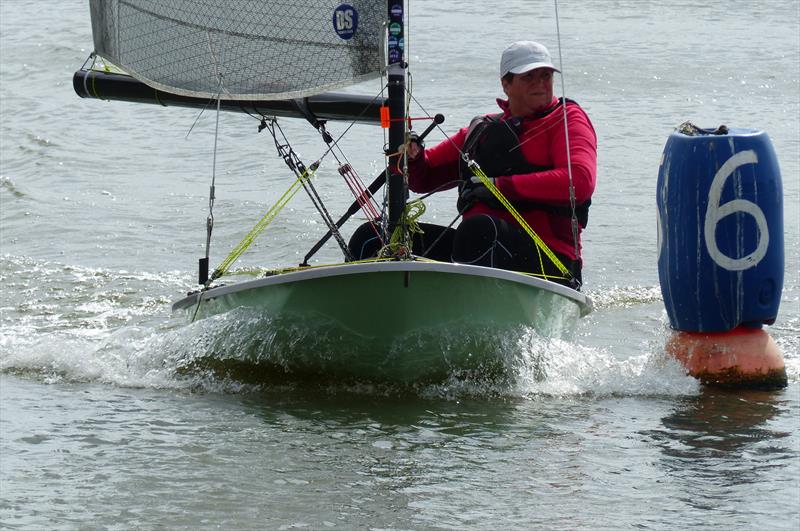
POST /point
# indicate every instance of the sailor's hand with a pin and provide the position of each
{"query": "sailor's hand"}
(413, 146)
(413, 150)
(475, 180)
(477, 192)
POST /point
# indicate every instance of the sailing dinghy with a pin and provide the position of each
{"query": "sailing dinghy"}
(283, 59)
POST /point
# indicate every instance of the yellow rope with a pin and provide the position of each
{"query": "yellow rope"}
(262, 224)
(540, 245)
(398, 244)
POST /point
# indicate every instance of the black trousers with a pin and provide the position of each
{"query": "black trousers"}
(480, 240)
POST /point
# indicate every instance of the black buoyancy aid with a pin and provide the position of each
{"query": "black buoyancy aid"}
(494, 144)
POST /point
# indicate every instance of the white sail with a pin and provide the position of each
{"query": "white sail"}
(242, 49)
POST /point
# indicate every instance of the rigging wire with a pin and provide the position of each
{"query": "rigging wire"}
(211, 192)
(299, 169)
(353, 122)
(566, 137)
(333, 147)
(354, 182)
(203, 265)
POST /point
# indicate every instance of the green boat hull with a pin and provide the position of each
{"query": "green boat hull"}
(395, 321)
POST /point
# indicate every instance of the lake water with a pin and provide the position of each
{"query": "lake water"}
(102, 212)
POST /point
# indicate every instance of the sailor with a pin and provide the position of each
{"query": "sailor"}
(523, 150)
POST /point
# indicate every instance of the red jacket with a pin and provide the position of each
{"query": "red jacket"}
(543, 144)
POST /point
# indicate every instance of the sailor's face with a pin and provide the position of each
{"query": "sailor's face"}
(530, 92)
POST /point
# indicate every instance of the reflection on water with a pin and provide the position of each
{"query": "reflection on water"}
(720, 447)
(718, 424)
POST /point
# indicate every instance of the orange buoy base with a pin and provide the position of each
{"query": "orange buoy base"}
(743, 358)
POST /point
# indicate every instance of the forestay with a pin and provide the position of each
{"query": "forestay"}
(242, 49)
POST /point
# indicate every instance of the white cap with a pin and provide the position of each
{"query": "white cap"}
(523, 56)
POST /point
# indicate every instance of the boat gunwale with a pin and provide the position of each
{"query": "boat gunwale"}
(410, 266)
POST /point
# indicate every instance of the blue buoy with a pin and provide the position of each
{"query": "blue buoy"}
(720, 214)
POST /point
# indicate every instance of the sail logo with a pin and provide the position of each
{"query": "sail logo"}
(345, 21)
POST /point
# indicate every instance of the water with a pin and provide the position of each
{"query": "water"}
(102, 213)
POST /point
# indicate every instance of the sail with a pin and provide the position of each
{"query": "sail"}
(242, 49)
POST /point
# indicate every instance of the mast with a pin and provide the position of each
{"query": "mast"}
(397, 189)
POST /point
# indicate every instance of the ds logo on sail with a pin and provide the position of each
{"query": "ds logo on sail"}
(345, 21)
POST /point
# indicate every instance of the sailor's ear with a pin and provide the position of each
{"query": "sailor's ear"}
(504, 83)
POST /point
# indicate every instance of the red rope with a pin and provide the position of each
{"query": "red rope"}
(365, 201)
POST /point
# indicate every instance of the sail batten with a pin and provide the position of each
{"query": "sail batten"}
(242, 49)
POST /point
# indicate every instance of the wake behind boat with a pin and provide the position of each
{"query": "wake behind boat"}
(245, 59)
